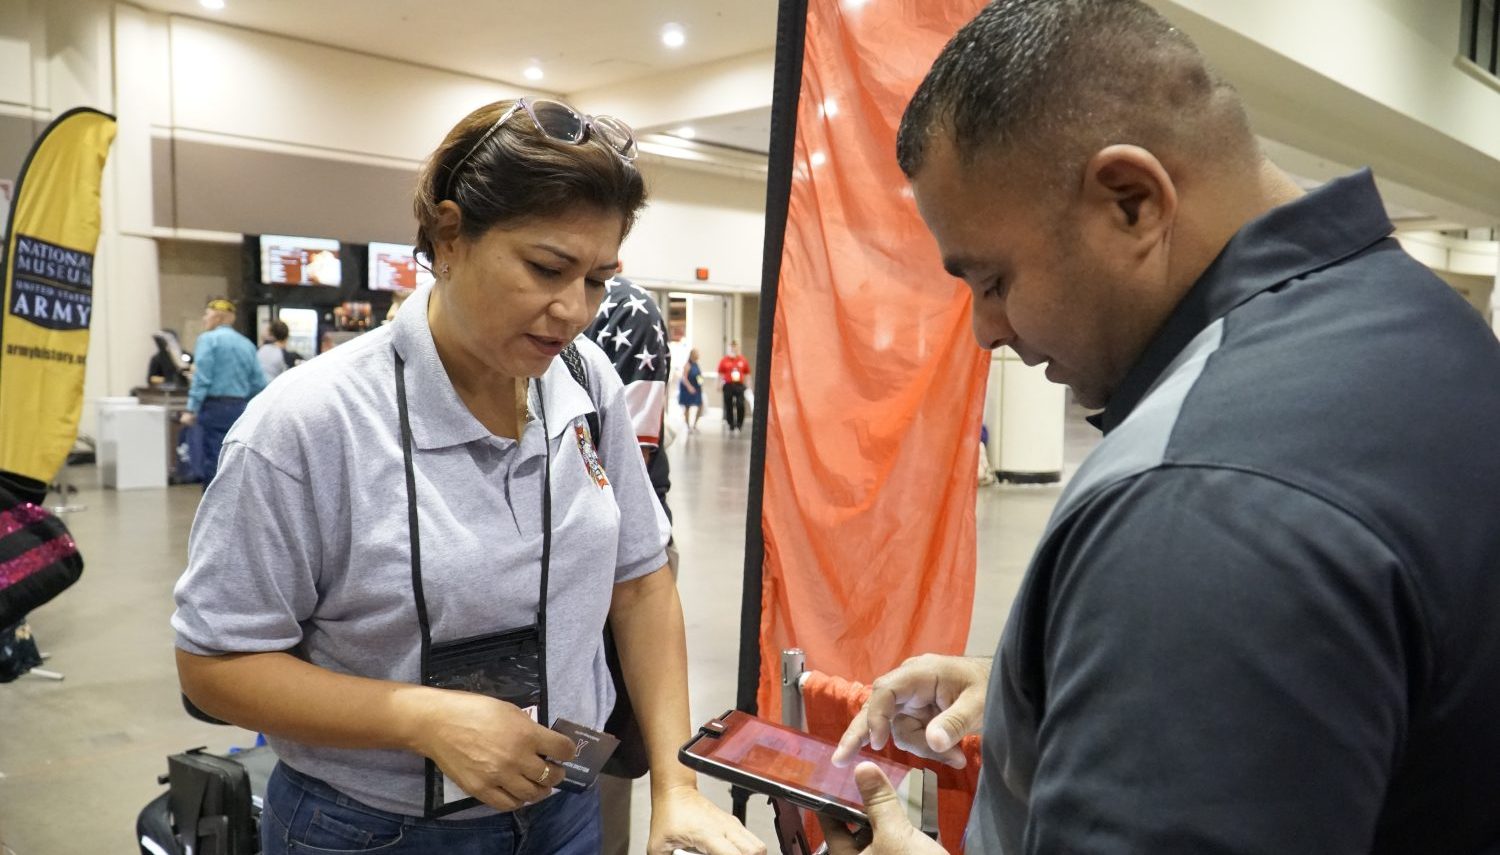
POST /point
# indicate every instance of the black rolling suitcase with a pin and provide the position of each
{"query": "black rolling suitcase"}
(212, 806)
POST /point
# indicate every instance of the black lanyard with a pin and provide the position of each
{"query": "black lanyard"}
(416, 541)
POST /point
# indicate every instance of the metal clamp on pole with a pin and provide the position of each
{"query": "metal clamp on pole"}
(929, 824)
(793, 665)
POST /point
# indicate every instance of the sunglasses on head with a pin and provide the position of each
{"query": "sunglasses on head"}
(560, 122)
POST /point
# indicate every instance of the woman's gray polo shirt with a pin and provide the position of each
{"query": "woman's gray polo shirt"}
(301, 541)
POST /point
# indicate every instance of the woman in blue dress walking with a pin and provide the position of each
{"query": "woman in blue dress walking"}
(690, 391)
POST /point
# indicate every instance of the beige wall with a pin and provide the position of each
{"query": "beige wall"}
(16, 135)
(219, 187)
(15, 52)
(696, 219)
(707, 330)
(258, 88)
(193, 273)
(749, 327)
(254, 133)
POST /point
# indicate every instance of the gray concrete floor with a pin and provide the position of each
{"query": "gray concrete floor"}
(79, 758)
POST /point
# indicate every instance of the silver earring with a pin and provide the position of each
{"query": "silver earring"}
(445, 270)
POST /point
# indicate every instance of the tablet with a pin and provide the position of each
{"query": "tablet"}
(777, 761)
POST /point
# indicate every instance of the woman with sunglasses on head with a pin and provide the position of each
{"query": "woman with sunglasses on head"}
(403, 569)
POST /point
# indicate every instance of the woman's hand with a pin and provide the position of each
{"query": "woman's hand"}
(490, 748)
(681, 818)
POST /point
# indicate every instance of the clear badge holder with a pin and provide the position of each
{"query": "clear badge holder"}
(504, 665)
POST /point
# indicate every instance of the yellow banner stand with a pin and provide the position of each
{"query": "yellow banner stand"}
(49, 292)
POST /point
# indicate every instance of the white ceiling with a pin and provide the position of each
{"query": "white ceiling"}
(580, 44)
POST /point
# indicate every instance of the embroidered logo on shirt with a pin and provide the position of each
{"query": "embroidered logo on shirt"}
(590, 456)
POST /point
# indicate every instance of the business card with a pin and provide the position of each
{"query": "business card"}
(594, 749)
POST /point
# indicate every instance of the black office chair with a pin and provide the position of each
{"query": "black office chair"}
(195, 712)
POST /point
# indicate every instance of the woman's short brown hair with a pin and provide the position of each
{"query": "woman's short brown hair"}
(520, 173)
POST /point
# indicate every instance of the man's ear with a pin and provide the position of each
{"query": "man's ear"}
(448, 229)
(1133, 186)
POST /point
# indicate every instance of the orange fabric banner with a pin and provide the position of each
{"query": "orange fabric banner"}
(876, 384)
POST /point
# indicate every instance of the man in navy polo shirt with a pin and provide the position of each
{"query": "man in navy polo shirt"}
(1262, 616)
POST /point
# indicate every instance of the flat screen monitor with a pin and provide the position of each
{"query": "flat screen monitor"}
(394, 267)
(286, 260)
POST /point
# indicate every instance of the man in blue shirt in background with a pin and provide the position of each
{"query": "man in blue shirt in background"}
(226, 374)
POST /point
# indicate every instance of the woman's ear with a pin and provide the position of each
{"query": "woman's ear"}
(446, 231)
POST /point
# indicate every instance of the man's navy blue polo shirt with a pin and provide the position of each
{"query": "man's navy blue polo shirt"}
(1265, 615)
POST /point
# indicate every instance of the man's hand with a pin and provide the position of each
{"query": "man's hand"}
(893, 832)
(188, 419)
(929, 705)
(682, 819)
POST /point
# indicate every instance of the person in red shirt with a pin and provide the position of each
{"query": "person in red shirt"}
(734, 371)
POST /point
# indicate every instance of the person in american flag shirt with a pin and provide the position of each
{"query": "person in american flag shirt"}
(630, 330)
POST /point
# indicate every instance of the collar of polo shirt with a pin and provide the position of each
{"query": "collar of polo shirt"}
(439, 418)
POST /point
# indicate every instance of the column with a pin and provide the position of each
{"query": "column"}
(1024, 412)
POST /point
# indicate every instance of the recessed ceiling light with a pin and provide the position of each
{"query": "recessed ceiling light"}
(533, 72)
(672, 36)
(685, 132)
(215, 5)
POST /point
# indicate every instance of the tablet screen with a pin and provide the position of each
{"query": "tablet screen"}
(791, 758)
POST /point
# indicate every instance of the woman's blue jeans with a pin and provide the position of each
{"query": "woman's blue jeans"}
(304, 815)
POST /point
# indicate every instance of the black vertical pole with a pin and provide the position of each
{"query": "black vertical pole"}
(791, 31)
(1474, 29)
(1494, 38)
